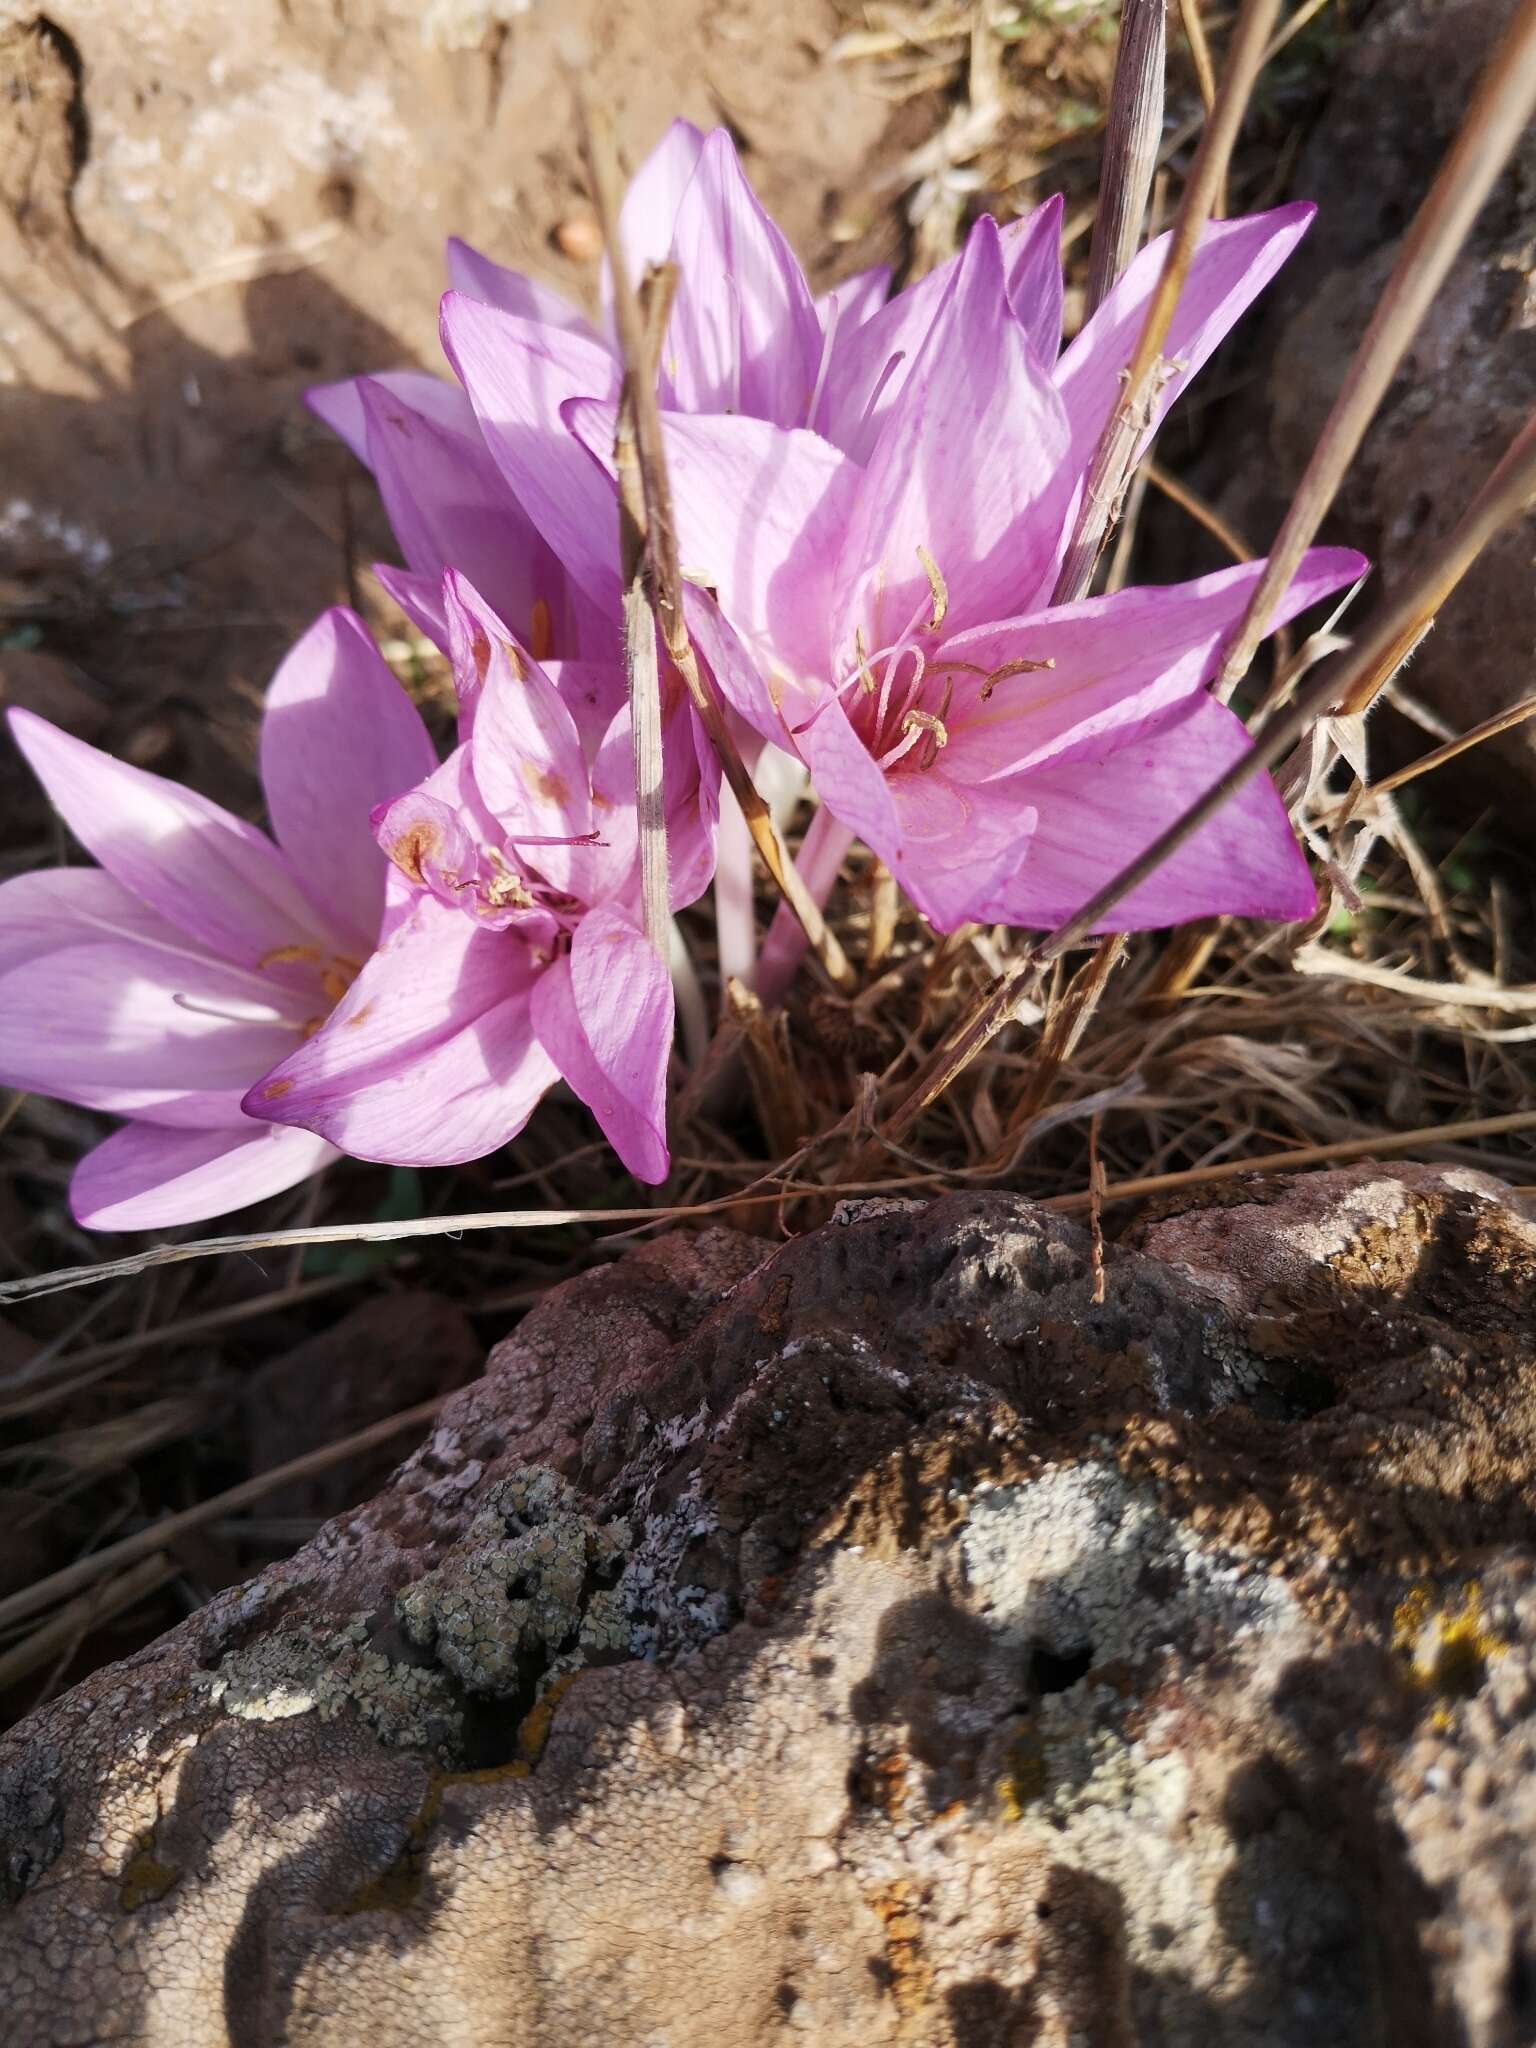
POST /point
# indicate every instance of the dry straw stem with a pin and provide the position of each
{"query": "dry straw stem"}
(1500, 109)
(1131, 140)
(162, 1535)
(666, 581)
(1105, 489)
(1490, 728)
(60, 1635)
(1200, 51)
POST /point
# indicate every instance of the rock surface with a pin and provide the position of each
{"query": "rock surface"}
(1397, 95)
(874, 1640)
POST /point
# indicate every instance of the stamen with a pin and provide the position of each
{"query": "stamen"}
(1011, 668)
(541, 631)
(866, 674)
(335, 984)
(234, 1012)
(880, 383)
(536, 839)
(827, 340)
(505, 889)
(938, 586)
(288, 956)
(926, 722)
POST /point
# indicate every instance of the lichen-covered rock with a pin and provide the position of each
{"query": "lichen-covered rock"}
(876, 1640)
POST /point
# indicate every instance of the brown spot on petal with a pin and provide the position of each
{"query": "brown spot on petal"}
(360, 1016)
(480, 654)
(548, 787)
(417, 843)
(515, 661)
(274, 1089)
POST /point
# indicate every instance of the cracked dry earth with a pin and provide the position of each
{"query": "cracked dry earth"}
(871, 1640)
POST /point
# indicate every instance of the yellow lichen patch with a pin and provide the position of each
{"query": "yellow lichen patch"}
(1448, 1644)
(1023, 1785)
(398, 1888)
(911, 1974)
(533, 1730)
(144, 1877)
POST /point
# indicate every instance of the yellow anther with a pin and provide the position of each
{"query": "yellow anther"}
(866, 675)
(926, 722)
(939, 588)
(288, 956)
(541, 632)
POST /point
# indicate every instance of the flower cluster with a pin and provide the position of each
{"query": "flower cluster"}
(874, 495)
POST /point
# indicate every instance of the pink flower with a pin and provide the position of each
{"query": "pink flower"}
(890, 617)
(512, 954)
(160, 984)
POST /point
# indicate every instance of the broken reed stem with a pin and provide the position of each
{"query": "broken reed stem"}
(1131, 141)
(1500, 109)
(1358, 672)
(665, 579)
(641, 666)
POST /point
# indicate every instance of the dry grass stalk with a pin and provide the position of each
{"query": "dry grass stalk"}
(1490, 728)
(1500, 109)
(1200, 51)
(163, 1535)
(1131, 142)
(63, 1632)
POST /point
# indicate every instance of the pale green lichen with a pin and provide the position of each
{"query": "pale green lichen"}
(531, 1592)
(315, 1669)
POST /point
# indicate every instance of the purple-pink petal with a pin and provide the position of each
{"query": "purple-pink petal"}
(131, 1029)
(429, 1059)
(604, 1016)
(1118, 661)
(50, 908)
(1095, 813)
(761, 511)
(213, 876)
(147, 1177)
(518, 376)
(969, 450)
(744, 335)
(477, 277)
(339, 736)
